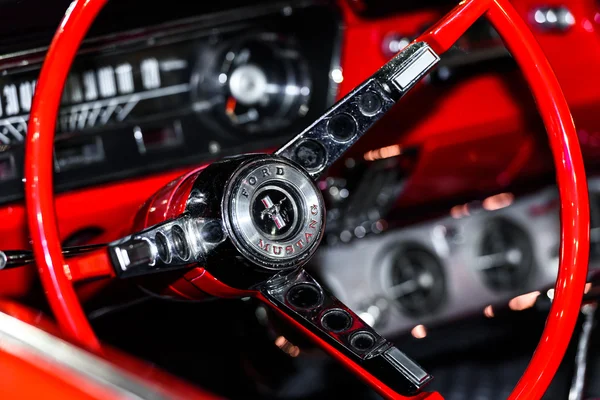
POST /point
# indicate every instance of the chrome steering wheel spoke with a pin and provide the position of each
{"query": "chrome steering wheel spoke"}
(175, 244)
(328, 138)
(171, 245)
(300, 298)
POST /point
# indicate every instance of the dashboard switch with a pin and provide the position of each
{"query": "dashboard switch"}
(159, 138)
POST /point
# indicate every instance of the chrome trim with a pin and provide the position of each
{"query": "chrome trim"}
(377, 356)
(173, 244)
(21, 340)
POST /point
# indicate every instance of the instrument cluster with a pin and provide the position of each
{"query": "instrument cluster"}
(176, 94)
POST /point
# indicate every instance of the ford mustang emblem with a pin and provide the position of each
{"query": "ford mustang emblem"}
(276, 213)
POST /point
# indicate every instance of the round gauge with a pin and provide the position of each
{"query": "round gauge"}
(416, 280)
(258, 85)
(506, 255)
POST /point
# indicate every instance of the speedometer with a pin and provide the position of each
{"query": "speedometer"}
(102, 91)
(118, 90)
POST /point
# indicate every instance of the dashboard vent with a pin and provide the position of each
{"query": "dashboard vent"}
(505, 255)
(418, 282)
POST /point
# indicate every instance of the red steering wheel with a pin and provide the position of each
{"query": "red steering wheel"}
(57, 276)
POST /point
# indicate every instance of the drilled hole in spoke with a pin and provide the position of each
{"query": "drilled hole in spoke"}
(180, 243)
(162, 247)
(362, 340)
(336, 320)
(304, 295)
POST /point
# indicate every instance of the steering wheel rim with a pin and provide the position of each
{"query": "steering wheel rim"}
(551, 103)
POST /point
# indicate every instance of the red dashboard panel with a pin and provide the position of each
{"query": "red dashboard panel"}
(481, 134)
(476, 136)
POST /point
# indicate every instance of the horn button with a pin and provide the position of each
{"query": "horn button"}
(275, 213)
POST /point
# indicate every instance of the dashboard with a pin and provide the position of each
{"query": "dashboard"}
(174, 94)
(152, 95)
